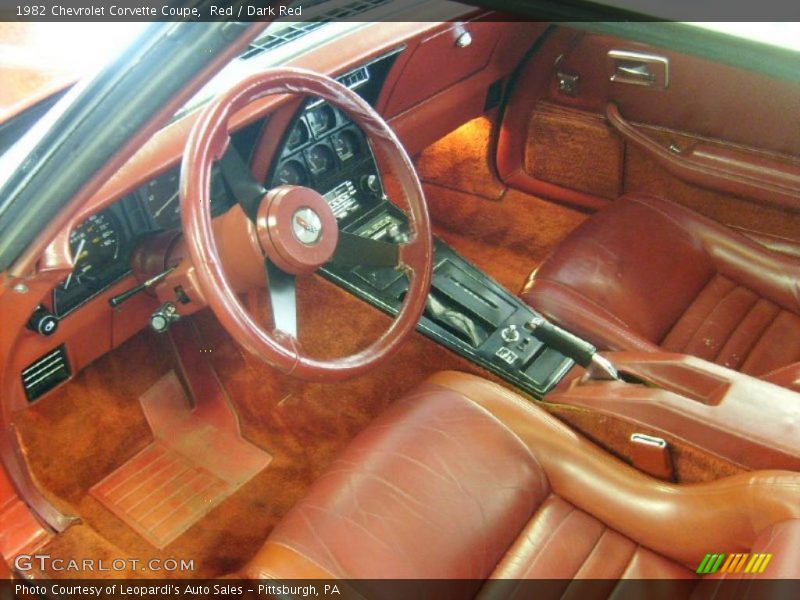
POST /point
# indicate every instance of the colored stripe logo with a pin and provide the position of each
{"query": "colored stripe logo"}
(733, 563)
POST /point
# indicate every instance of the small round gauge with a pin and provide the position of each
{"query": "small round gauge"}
(162, 199)
(94, 245)
(298, 136)
(320, 159)
(321, 119)
(346, 144)
(292, 172)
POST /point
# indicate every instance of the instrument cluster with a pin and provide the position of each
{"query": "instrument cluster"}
(320, 143)
(324, 150)
(101, 246)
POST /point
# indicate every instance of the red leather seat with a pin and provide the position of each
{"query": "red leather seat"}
(464, 479)
(646, 273)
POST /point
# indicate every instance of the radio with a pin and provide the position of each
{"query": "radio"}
(342, 199)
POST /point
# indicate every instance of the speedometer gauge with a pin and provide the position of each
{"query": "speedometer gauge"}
(95, 246)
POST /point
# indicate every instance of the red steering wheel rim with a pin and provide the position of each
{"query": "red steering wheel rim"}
(207, 143)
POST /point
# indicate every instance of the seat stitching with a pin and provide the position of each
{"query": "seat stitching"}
(714, 276)
(666, 215)
(757, 338)
(551, 537)
(777, 370)
(630, 560)
(711, 312)
(611, 315)
(709, 279)
(735, 328)
(606, 529)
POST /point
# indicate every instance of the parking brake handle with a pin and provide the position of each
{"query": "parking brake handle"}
(571, 346)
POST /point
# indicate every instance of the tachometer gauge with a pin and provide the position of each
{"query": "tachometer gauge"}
(292, 172)
(320, 159)
(162, 199)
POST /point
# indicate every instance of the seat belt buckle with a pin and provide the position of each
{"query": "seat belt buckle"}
(651, 455)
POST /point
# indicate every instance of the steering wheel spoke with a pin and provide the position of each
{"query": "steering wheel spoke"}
(283, 297)
(246, 190)
(353, 250)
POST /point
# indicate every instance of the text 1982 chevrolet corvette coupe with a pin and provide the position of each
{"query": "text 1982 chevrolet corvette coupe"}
(464, 298)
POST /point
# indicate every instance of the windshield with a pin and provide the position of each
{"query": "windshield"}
(38, 58)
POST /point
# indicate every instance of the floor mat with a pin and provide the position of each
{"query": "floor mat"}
(506, 238)
(192, 466)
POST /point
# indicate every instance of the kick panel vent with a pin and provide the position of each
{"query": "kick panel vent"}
(45, 373)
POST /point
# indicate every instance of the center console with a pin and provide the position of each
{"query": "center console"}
(467, 311)
(736, 417)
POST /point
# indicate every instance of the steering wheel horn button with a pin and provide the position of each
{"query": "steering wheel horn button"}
(306, 226)
(297, 229)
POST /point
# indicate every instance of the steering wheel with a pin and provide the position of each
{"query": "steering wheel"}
(297, 230)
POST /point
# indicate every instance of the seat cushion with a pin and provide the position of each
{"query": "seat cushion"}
(563, 542)
(431, 489)
(646, 273)
(464, 479)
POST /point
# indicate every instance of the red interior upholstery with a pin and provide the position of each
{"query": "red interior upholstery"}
(647, 273)
(464, 479)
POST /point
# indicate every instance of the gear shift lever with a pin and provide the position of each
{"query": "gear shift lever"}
(571, 346)
(461, 322)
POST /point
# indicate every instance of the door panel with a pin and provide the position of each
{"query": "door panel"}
(575, 149)
(724, 141)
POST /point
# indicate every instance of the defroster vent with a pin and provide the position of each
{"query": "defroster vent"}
(45, 373)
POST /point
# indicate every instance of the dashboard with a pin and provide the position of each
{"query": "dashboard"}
(321, 148)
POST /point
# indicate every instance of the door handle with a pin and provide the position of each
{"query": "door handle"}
(638, 68)
(636, 71)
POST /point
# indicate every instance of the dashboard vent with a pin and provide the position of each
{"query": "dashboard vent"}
(351, 9)
(45, 373)
(283, 33)
(279, 38)
(355, 78)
